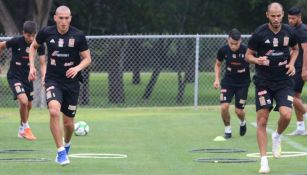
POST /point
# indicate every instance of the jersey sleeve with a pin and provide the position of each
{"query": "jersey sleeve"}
(11, 43)
(253, 42)
(220, 55)
(302, 37)
(41, 50)
(293, 39)
(82, 46)
(40, 37)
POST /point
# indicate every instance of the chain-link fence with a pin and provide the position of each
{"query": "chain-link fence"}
(143, 70)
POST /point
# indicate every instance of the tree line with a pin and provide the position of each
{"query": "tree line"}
(109, 17)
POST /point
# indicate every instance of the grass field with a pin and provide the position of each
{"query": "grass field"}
(156, 141)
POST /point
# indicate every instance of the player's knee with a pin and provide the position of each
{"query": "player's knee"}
(23, 103)
(225, 106)
(239, 111)
(286, 115)
(54, 112)
(68, 123)
(262, 121)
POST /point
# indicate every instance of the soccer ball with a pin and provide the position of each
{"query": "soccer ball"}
(81, 128)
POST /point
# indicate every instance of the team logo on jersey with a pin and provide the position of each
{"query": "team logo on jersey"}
(242, 101)
(72, 107)
(71, 42)
(262, 101)
(223, 90)
(286, 41)
(27, 49)
(275, 42)
(267, 41)
(61, 42)
(290, 98)
(261, 93)
(52, 62)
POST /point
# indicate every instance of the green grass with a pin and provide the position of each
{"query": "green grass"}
(156, 140)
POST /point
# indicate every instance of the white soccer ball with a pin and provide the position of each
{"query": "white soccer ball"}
(81, 128)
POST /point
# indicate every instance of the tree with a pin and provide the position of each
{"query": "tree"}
(13, 13)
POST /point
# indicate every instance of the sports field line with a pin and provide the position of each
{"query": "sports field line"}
(285, 139)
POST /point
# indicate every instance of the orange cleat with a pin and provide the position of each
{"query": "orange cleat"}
(27, 134)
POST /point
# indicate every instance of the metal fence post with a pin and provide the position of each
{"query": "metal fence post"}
(196, 73)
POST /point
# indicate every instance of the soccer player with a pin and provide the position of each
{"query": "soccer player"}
(269, 49)
(235, 82)
(17, 74)
(295, 20)
(68, 54)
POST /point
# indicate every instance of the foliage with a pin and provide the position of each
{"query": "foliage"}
(100, 17)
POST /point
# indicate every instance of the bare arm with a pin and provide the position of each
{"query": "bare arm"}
(86, 61)
(217, 71)
(304, 69)
(2, 46)
(42, 62)
(252, 59)
(293, 57)
(32, 54)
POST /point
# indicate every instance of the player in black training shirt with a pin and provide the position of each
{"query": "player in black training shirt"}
(295, 20)
(17, 74)
(235, 82)
(269, 49)
(68, 54)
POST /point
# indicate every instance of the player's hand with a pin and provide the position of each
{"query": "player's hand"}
(291, 70)
(32, 74)
(264, 61)
(72, 72)
(216, 84)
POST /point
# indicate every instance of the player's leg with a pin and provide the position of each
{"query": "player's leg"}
(68, 123)
(240, 98)
(24, 109)
(69, 109)
(54, 99)
(263, 106)
(298, 105)
(300, 112)
(225, 99)
(23, 98)
(284, 100)
(262, 119)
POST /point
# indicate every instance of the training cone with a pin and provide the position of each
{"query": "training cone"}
(219, 138)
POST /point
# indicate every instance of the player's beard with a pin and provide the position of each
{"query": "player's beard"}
(275, 26)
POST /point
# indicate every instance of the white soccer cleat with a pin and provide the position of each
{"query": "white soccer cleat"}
(276, 146)
(264, 166)
(298, 132)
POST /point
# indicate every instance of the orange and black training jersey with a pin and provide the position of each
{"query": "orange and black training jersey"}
(63, 51)
(237, 69)
(277, 48)
(19, 65)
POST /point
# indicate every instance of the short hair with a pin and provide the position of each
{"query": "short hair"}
(274, 3)
(294, 11)
(29, 27)
(235, 34)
